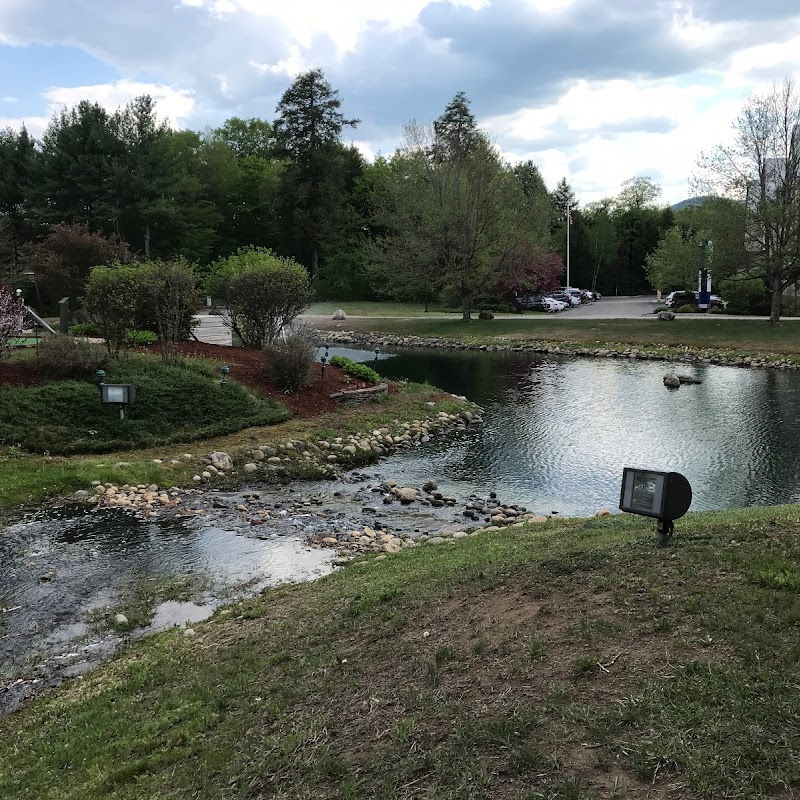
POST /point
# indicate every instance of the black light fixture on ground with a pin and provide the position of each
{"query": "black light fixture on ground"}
(663, 495)
(116, 394)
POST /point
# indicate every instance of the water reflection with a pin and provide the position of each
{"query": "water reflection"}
(558, 431)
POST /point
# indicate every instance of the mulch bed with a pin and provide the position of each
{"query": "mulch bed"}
(18, 375)
(250, 368)
(247, 366)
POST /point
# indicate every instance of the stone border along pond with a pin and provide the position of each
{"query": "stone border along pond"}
(610, 350)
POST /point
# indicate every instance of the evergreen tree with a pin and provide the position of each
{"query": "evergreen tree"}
(456, 133)
(307, 131)
(564, 198)
(16, 161)
(146, 176)
(76, 175)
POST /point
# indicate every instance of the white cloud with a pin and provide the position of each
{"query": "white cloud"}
(10, 99)
(597, 134)
(171, 103)
(33, 124)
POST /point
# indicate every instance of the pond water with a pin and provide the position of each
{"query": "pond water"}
(558, 431)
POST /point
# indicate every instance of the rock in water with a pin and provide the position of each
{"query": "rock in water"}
(672, 381)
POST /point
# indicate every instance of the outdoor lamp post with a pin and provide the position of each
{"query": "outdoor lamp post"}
(224, 369)
(663, 495)
(377, 353)
(101, 376)
(323, 360)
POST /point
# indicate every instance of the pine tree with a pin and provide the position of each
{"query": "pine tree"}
(307, 131)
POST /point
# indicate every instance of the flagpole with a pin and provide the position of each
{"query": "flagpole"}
(568, 226)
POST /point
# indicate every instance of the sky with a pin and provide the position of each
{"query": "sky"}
(596, 91)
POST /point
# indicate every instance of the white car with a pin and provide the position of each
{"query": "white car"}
(553, 305)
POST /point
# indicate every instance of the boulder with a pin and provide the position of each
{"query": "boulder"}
(339, 315)
(250, 467)
(666, 316)
(429, 486)
(603, 512)
(407, 495)
(672, 381)
(221, 461)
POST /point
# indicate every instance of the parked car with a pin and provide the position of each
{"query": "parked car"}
(554, 305)
(677, 299)
(715, 301)
(532, 302)
(568, 300)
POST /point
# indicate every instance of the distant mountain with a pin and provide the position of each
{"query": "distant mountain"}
(691, 201)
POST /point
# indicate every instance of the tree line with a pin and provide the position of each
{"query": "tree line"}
(442, 219)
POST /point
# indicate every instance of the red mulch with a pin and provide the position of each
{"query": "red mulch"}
(17, 374)
(250, 368)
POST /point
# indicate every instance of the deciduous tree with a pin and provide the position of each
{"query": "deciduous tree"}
(761, 170)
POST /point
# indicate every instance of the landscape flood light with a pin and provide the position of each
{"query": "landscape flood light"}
(663, 495)
(117, 394)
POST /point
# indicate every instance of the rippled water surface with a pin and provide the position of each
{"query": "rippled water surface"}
(558, 430)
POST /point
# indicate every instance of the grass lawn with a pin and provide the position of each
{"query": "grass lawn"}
(750, 336)
(368, 308)
(571, 660)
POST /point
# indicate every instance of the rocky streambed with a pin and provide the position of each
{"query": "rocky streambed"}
(83, 578)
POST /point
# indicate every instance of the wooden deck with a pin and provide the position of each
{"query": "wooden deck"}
(211, 330)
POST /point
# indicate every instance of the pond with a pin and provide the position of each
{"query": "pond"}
(558, 431)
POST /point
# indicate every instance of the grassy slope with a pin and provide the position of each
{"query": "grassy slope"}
(571, 661)
(26, 478)
(750, 336)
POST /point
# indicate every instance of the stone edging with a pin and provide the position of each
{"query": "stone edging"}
(612, 350)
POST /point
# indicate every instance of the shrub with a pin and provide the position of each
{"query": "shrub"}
(64, 357)
(486, 315)
(290, 361)
(746, 296)
(138, 338)
(688, 308)
(174, 403)
(168, 293)
(84, 329)
(360, 371)
(262, 293)
(660, 308)
(112, 299)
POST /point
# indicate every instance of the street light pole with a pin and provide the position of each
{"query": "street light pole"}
(569, 221)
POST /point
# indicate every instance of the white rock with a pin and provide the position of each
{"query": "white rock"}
(120, 619)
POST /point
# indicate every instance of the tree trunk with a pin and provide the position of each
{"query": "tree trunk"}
(146, 242)
(314, 264)
(777, 297)
(466, 305)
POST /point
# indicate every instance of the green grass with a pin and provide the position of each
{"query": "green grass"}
(27, 478)
(486, 669)
(368, 308)
(174, 403)
(737, 335)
